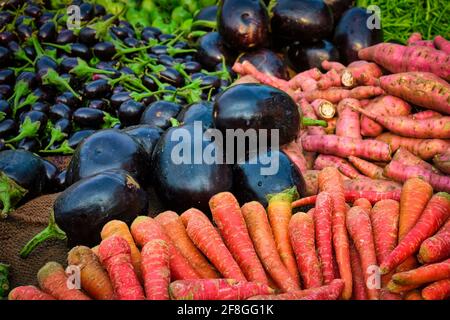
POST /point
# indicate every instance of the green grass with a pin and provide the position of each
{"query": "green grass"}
(400, 18)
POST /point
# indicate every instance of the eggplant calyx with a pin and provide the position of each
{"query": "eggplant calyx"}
(64, 47)
(196, 34)
(173, 51)
(37, 47)
(21, 55)
(10, 194)
(21, 88)
(28, 129)
(306, 122)
(84, 70)
(52, 231)
(288, 195)
(52, 77)
(174, 122)
(55, 135)
(205, 24)
(29, 100)
(4, 282)
(109, 121)
(180, 68)
(64, 148)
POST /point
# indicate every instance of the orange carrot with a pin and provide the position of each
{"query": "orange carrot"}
(360, 230)
(53, 281)
(115, 255)
(425, 274)
(359, 285)
(28, 293)
(93, 278)
(415, 195)
(145, 229)
(279, 212)
(216, 289)
(227, 215)
(398, 288)
(367, 168)
(175, 230)
(330, 181)
(413, 295)
(433, 217)
(440, 290)
(437, 247)
(120, 228)
(261, 234)
(363, 203)
(301, 233)
(156, 269)
(208, 240)
(322, 220)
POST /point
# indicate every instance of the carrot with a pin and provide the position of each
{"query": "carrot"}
(442, 44)
(175, 230)
(359, 285)
(433, 217)
(279, 212)
(329, 65)
(408, 127)
(419, 88)
(398, 288)
(348, 124)
(424, 43)
(308, 111)
(331, 291)
(330, 181)
(424, 148)
(216, 289)
(156, 269)
(409, 159)
(346, 146)
(323, 109)
(323, 161)
(115, 255)
(120, 228)
(322, 223)
(312, 185)
(442, 162)
(372, 185)
(301, 233)
(298, 81)
(425, 274)
(360, 73)
(397, 58)
(367, 168)
(261, 234)
(400, 172)
(145, 229)
(437, 247)
(413, 295)
(294, 152)
(363, 203)
(331, 128)
(53, 281)
(440, 290)
(329, 79)
(95, 250)
(334, 94)
(414, 37)
(208, 240)
(426, 114)
(28, 293)
(360, 229)
(227, 215)
(93, 278)
(382, 106)
(385, 294)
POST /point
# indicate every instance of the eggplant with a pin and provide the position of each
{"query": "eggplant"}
(301, 20)
(146, 135)
(192, 67)
(8, 129)
(51, 173)
(159, 49)
(130, 112)
(41, 107)
(47, 32)
(100, 104)
(104, 50)
(118, 98)
(243, 24)
(211, 50)
(5, 56)
(7, 76)
(108, 149)
(199, 111)
(5, 108)
(267, 62)
(97, 89)
(59, 111)
(88, 118)
(68, 99)
(352, 34)
(159, 113)
(81, 211)
(256, 106)
(22, 177)
(60, 181)
(304, 57)
(171, 76)
(65, 36)
(181, 186)
(29, 144)
(251, 184)
(77, 137)
(207, 14)
(80, 50)
(338, 7)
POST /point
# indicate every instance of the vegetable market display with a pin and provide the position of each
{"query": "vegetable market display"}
(358, 208)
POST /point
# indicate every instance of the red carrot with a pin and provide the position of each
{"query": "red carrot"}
(216, 289)
(28, 293)
(433, 217)
(440, 290)
(367, 168)
(414, 37)
(261, 234)
(442, 44)
(306, 76)
(115, 255)
(363, 203)
(424, 43)
(334, 95)
(228, 217)
(360, 73)
(373, 185)
(323, 161)
(330, 181)
(359, 285)
(156, 269)
(360, 230)
(323, 109)
(329, 79)
(301, 233)
(425, 274)
(145, 229)
(348, 124)
(437, 247)
(308, 111)
(53, 280)
(442, 162)
(412, 295)
(322, 222)
(329, 65)
(208, 240)
(345, 147)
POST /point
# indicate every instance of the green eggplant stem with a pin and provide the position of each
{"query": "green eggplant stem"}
(196, 34)
(174, 51)
(288, 195)
(52, 77)
(30, 99)
(55, 135)
(10, 194)
(84, 70)
(109, 120)
(205, 24)
(28, 129)
(313, 122)
(37, 47)
(63, 149)
(52, 231)
(65, 47)
(20, 89)
(174, 122)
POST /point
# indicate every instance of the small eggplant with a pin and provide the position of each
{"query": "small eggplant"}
(118, 98)
(29, 144)
(77, 137)
(100, 104)
(130, 112)
(68, 99)
(192, 67)
(104, 50)
(59, 111)
(88, 118)
(171, 76)
(8, 128)
(268, 62)
(304, 57)
(97, 89)
(159, 113)
(60, 181)
(7, 76)
(51, 173)
(41, 107)
(47, 32)
(211, 50)
(65, 36)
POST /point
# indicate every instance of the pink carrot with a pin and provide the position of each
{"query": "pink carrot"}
(361, 73)
(424, 43)
(359, 285)
(433, 217)
(156, 269)
(28, 293)
(414, 37)
(323, 109)
(322, 222)
(115, 255)
(436, 248)
(442, 44)
(406, 158)
(334, 95)
(294, 152)
(367, 168)
(345, 147)
(348, 124)
(373, 185)
(329, 79)
(308, 112)
(323, 161)
(329, 65)
(442, 161)
(426, 114)
(363, 203)
(311, 74)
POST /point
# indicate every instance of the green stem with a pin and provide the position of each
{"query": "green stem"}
(52, 77)
(64, 148)
(205, 24)
(29, 100)
(28, 129)
(196, 34)
(20, 89)
(37, 47)
(174, 51)
(174, 122)
(288, 195)
(52, 231)
(65, 47)
(313, 122)
(55, 135)
(109, 120)
(83, 70)
(10, 194)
